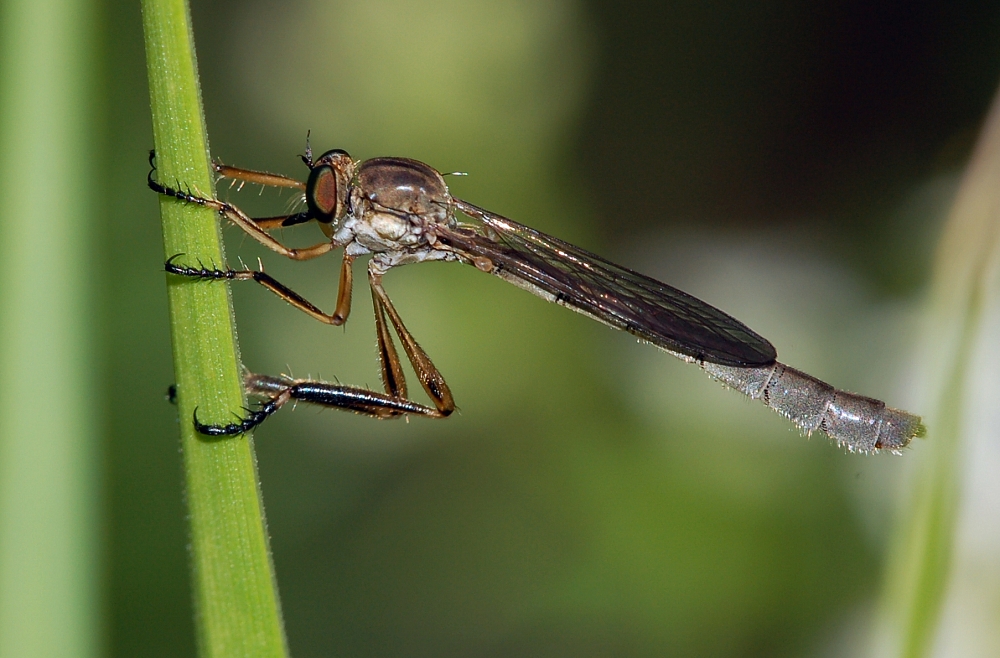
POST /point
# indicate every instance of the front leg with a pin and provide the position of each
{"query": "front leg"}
(247, 223)
(258, 177)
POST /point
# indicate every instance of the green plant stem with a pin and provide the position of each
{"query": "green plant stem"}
(236, 602)
(49, 444)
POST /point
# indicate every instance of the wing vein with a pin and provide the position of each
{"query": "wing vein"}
(615, 295)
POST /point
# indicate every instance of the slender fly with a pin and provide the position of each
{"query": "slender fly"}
(399, 211)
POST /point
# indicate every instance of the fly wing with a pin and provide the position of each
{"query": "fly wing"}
(614, 295)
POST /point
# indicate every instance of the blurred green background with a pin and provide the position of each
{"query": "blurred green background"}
(790, 162)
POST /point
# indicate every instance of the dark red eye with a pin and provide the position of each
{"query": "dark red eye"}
(323, 194)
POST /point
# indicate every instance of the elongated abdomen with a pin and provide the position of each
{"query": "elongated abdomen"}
(859, 423)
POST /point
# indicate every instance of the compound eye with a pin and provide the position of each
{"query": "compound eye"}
(324, 194)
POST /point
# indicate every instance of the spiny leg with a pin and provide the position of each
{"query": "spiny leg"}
(259, 177)
(428, 374)
(279, 390)
(246, 423)
(270, 180)
(349, 398)
(247, 223)
(338, 317)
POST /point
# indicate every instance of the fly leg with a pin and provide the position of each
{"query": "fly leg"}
(270, 180)
(278, 391)
(256, 229)
(259, 177)
(393, 378)
(392, 372)
(337, 318)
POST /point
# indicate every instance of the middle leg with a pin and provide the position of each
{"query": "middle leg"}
(337, 318)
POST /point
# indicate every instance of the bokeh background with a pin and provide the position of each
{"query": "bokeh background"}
(789, 162)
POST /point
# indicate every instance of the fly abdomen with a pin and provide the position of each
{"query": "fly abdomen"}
(859, 423)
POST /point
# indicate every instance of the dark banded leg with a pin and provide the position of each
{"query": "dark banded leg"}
(280, 390)
(337, 318)
(428, 374)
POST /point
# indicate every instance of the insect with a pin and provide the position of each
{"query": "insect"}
(399, 211)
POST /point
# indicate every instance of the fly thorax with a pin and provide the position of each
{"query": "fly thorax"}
(398, 203)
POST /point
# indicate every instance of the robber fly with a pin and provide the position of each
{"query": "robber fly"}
(399, 211)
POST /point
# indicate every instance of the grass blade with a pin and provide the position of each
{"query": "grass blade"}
(236, 601)
(963, 288)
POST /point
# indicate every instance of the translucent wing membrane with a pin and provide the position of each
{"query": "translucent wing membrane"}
(614, 295)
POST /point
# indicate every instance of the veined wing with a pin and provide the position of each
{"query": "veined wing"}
(609, 293)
